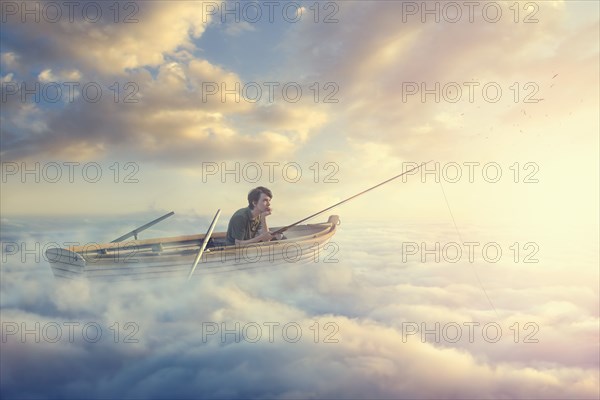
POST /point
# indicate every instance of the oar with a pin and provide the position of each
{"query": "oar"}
(135, 232)
(285, 228)
(204, 242)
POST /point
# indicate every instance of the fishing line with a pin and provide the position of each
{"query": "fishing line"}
(461, 241)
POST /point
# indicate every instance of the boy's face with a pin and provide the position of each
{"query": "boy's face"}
(263, 204)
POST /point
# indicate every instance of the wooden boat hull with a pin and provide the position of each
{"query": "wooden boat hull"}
(173, 257)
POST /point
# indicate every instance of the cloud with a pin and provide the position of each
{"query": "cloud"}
(370, 70)
(48, 76)
(236, 29)
(223, 334)
(9, 60)
(376, 68)
(159, 102)
(130, 36)
(169, 118)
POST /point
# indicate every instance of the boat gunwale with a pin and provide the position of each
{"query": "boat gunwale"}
(188, 241)
(102, 264)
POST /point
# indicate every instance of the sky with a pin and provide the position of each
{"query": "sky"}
(115, 113)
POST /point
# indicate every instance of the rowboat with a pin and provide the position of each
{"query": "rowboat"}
(157, 258)
(175, 256)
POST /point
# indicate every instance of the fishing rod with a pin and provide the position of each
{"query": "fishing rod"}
(285, 228)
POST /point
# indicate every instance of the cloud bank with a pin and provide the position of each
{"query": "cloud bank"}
(366, 326)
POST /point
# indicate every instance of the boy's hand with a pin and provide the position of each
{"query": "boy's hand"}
(265, 237)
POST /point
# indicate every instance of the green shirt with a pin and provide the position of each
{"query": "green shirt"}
(242, 226)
